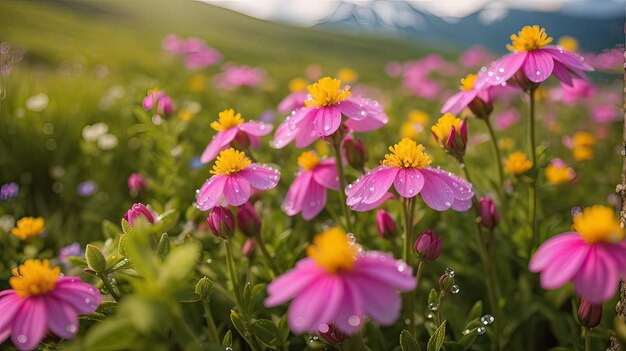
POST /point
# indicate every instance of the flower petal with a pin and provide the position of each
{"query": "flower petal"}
(283, 136)
(325, 174)
(350, 317)
(461, 188)
(62, 318)
(352, 109)
(211, 192)
(236, 190)
(296, 193)
(569, 59)
(374, 119)
(9, 305)
(598, 278)
(327, 120)
(458, 102)
(372, 186)
(290, 284)
(29, 325)
(538, 66)
(256, 128)
(84, 297)
(436, 193)
(381, 302)
(562, 73)
(261, 176)
(564, 265)
(314, 201)
(551, 248)
(220, 142)
(408, 182)
(385, 269)
(316, 304)
(500, 71)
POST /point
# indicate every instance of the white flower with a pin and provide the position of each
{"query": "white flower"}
(94, 131)
(37, 103)
(107, 142)
(7, 222)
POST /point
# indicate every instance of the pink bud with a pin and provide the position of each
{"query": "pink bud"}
(463, 132)
(249, 248)
(139, 210)
(165, 106)
(248, 220)
(148, 102)
(488, 213)
(386, 225)
(221, 222)
(590, 315)
(355, 153)
(330, 334)
(136, 182)
(428, 245)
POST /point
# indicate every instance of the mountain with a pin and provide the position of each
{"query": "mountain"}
(490, 26)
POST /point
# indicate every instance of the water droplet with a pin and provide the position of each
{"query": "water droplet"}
(429, 316)
(433, 306)
(326, 127)
(481, 330)
(22, 339)
(538, 73)
(71, 328)
(87, 300)
(448, 204)
(209, 261)
(228, 348)
(354, 321)
(450, 272)
(407, 321)
(501, 70)
(466, 331)
(455, 289)
(487, 319)
(323, 328)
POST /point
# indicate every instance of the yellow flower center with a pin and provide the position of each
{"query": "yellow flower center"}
(598, 223)
(467, 83)
(227, 120)
(326, 92)
(230, 161)
(347, 75)
(583, 139)
(407, 154)
(332, 250)
(28, 227)
(517, 163)
(444, 125)
(297, 84)
(559, 175)
(529, 39)
(308, 160)
(568, 43)
(34, 277)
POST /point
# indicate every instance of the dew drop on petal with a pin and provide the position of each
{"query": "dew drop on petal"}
(354, 321)
(71, 328)
(22, 338)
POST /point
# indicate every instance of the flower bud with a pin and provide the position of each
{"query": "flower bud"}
(428, 246)
(249, 248)
(589, 314)
(481, 108)
(355, 153)
(489, 216)
(330, 334)
(204, 288)
(137, 211)
(248, 220)
(221, 222)
(450, 133)
(386, 225)
(446, 282)
(136, 182)
(165, 106)
(241, 141)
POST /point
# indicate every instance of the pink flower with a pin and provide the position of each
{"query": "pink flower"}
(478, 100)
(475, 56)
(407, 168)
(307, 193)
(322, 115)
(604, 113)
(136, 182)
(139, 210)
(593, 256)
(231, 127)
(164, 104)
(196, 53)
(40, 301)
(293, 101)
(532, 61)
(393, 69)
(338, 284)
(506, 119)
(234, 176)
(579, 90)
(172, 43)
(233, 77)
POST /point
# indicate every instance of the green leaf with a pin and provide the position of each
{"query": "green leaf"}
(187, 297)
(228, 339)
(433, 297)
(126, 227)
(167, 221)
(110, 335)
(107, 307)
(95, 259)
(164, 246)
(121, 246)
(267, 332)
(436, 340)
(407, 341)
(238, 323)
(110, 230)
(78, 261)
(204, 289)
(283, 327)
(475, 312)
(122, 265)
(178, 264)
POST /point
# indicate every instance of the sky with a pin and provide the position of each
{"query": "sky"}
(309, 12)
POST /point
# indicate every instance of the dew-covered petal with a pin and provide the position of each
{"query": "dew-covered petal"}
(408, 182)
(352, 109)
(538, 66)
(29, 324)
(290, 284)
(256, 128)
(385, 269)
(562, 73)
(62, 318)
(436, 193)
(261, 176)
(381, 302)
(283, 136)
(316, 304)
(211, 192)
(296, 193)
(374, 119)
(220, 142)
(598, 278)
(325, 174)
(236, 190)
(458, 102)
(84, 297)
(569, 59)
(314, 201)
(461, 188)
(306, 133)
(374, 185)
(327, 120)
(500, 71)
(350, 317)
(362, 206)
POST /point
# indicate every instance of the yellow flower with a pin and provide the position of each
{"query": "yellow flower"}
(559, 173)
(185, 115)
(34, 277)
(227, 120)
(568, 43)
(444, 125)
(407, 154)
(347, 75)
(308, 160)
(529, 39)
(326, 92)
(517, 163)
(506, 143)
(197, 83)
(28, 227)
(333, 250)
(582, 146)
(230, 161)
(598, 223)
(414, 125)
(297, 84)
(467, 83)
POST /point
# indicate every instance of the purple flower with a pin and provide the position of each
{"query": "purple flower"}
(9, 191)
(87, 188)
(73, 249)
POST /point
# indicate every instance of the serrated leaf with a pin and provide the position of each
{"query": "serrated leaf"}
(228, 339)
(95, 259)
(267, 332)
(407, 341)
(107, 307)
(436, 340)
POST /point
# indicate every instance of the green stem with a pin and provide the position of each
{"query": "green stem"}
(408, 206)
(490, 281)
(214, 336)
(342, 185)
(442, 294)
(532, 190)
(109, 287)
(496, 150)
(266, 254)
(418, 275)
(587, 339)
